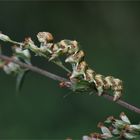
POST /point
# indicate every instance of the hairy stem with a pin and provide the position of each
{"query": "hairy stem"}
(58, 78)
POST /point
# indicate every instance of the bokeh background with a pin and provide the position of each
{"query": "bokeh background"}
(109, 32)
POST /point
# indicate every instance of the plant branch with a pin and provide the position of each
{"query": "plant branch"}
(33, 68)
(58, 78)
(123, 103)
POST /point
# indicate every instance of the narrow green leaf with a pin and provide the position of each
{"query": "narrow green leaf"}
(20, 79)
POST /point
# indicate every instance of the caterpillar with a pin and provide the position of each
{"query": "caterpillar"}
(80, 68)
(74, 55)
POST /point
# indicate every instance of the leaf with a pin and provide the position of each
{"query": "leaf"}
(129, 135)
(81, 86)
(20, 79)
(105, 130)
(135, 127)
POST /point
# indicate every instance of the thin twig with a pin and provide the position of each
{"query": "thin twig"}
(33, 68)
(123, 103)
(58, 78)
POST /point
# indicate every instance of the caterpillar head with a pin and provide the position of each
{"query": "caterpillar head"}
(44, 37)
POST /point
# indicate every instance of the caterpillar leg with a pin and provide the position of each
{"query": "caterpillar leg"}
(100, 90)
(99, 82)
(117, 95)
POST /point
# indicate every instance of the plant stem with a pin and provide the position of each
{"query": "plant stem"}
(33, 68)
(58, 78)
(58, 64)
(123, 103)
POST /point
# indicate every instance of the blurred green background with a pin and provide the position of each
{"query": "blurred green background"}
(109, 32)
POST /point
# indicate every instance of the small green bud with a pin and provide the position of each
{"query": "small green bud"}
(4, 37)
(124, 118)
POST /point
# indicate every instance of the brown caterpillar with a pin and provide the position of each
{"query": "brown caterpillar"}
(75, 57)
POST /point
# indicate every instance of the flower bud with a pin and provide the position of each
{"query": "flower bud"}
(104, 130)
(4, 37)
(46, 48)
(13, 66)
(80, 70)
(86, 138)
(128, 135)
(124, 118)
(75, 58)
(72, 46)
(6, 69)
(110, 119)
(28, 43)
(19, 51)
(26, 53)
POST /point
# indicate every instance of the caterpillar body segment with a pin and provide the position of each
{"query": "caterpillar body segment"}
(90, 75)
(109, 81)
(99, 82)
(117, 88)
(114, 84)
(117, 84)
